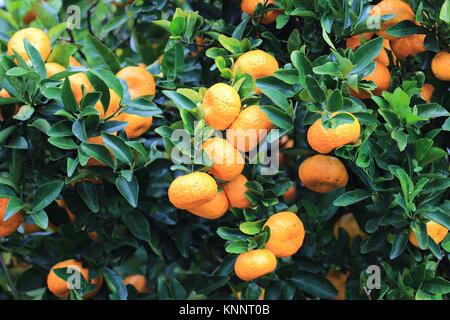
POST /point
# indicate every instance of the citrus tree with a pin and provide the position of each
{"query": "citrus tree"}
(254, 149)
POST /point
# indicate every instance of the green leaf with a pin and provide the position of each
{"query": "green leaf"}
(99, 55)
(399, 245)
(88, 193)
(314, 89)
(351, 197)
(98, 152)
(137, 224)
(366, 53)
(253, 227)
(115, 283)
(278, 117)
(405, 28)
(437, 285)
(45, 14)
(36, 59)
(176, 27)
(64, 143)
(46, 193)
(314, 284)
(129, 190)
(40, 218)
(118, 146)
(180, 100)
(68, 97)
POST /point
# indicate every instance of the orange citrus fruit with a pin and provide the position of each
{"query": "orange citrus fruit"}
(408, 46)
(248, 6)
(74, 62)
(254, 264)
(338, 279)
(212, 209)
(256, 63)
(53, 68)
(382, 78)
(77, 82)
(323, 174)
(199, 41)
(250, 127)
(227, 161)
(286, 234)
(290, 194)
(221, 104)
(427, 92)
(355, 41)
(325, 140)
(400, 9)
(191, 190)
(9, 226)
(440, 65)
(36, 37)
(138, 281)
(61, 288)
(285, 143)
(235, 191)
(122, 4)
(140, 83)
(434, 230)
(114, 105)
(349, 224)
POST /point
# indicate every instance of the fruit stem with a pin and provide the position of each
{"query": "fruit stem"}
(8, 276)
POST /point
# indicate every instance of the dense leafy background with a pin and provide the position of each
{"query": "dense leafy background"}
(398, 169)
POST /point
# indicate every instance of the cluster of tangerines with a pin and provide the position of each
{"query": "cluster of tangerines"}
(400, 47)
(140, 84)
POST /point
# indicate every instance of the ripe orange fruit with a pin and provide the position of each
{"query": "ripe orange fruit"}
(77, 81)
(53, 68)
(140, 82)
(73, 62)
(400, 9)
(261, 296)
(212, 209)
(321, 173)
(434, 230)
(408, 46)
(355, 41)
(61, 289)
(5, 94)
(338, 279)
(325, 140)
(250, 127)
(235, 191)
(122, 5)
(254, 264)
(114, 105)
(427, 92)
(290, 194)
(227, 161)
(349, 224)
(199, 41)
(248, 6)
(286, 234)
(256, 63)
(31, 15)
(440, 65)
(191, 190)
(221, 104)
(382, 78)
(36, 37)
(9, 226)
(138, 281)
(285, 143)
(31, 228)
(92, 161)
